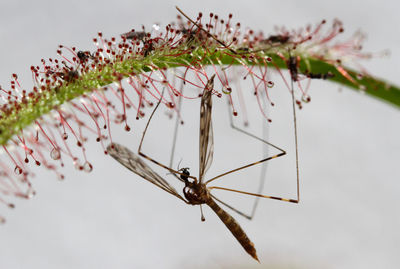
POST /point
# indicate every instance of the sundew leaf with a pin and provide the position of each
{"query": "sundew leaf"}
(71, 94)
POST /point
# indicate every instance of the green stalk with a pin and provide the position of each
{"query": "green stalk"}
(27, 112)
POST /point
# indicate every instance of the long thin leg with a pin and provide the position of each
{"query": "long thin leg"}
(177, 123)
(252, 135)
(262, 173)
(246, 166)
(205, 31)
(267, 159)
(282, 152)
(256, 194)
(152, 160)
(249, 217)
(295, 136)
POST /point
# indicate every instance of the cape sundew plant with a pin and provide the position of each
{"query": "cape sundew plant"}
(81, 93)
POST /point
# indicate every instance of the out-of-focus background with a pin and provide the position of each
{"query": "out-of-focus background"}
(349, 156)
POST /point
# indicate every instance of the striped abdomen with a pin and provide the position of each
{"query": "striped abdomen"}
(234, 227)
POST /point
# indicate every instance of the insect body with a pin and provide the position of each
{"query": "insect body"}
(141, 35)
(320, 75)
(195, 191)
(69, 75)
(84, 56)
(293, 65)
(277, 39)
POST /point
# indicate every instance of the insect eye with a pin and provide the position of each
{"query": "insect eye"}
(185, 171)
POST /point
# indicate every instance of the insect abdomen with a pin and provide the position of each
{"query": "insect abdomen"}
(234, 227)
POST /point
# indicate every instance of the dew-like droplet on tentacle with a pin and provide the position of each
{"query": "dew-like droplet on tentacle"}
(30, 193)
(77, 164)
(55, 154)
(18, 170)
(87, 167)
(306, 98)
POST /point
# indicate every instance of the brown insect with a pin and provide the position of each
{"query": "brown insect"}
(319, 75)
(293, 64)
(277, 39)
(196, 191)
(84, 55)
(140, 35)
(68, 74)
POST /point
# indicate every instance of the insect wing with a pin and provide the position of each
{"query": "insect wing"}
(206, 140)
(133, 162)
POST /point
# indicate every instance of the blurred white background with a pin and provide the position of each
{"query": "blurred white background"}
(349, 156)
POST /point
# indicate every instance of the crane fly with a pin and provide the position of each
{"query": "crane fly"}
(196, 191)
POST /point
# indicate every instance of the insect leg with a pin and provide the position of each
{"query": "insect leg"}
(262, 172)
(258, 195)
(177, 123)
(152, 160)
(248, 165)
(205, 31)
(247, 216)
(268, 158)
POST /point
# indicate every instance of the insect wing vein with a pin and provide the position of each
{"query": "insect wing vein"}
(206, 138)
(133, 162)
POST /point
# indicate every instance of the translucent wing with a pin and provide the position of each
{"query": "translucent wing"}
(206, 140)
(134, 163)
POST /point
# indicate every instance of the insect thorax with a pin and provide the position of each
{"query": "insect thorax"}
(196, 193)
